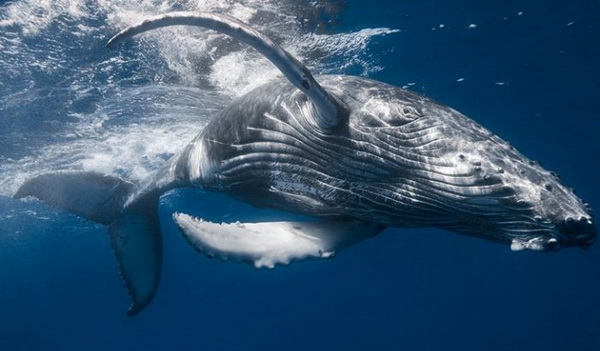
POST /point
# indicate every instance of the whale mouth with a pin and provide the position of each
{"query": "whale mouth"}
(538, 243)
(577, 232)
(568, 233)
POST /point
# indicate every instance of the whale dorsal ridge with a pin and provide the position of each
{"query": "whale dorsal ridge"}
(329, 110)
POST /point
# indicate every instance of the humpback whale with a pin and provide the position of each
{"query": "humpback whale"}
(352, 154)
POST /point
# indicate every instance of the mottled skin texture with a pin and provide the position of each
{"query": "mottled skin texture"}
(399, 159)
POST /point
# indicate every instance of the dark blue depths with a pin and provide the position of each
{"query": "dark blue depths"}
(527, 71)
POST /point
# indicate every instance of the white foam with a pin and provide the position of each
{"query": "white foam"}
(348, 48)
(131, 135)
(236, 74)
(32, 16)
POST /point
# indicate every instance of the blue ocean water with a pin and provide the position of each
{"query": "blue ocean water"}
(527, 70)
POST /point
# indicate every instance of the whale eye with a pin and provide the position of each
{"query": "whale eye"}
(410, 112)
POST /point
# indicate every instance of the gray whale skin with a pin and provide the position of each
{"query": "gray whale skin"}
(356, 154)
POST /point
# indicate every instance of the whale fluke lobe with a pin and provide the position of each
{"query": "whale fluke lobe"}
(330, 110)
(137, 243)
(134, 229)
(91, 195)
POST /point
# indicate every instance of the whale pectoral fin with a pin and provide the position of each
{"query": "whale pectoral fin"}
(137, 243)
(270, 243)
(329, 111)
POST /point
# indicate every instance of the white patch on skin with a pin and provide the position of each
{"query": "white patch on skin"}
(379, 108)
(535, 244)
(271, 243)
(199, 166)
(291, 186)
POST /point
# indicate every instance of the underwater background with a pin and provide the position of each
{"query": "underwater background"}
(527, 70)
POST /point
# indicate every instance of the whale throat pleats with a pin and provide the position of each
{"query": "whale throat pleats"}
(329, 110)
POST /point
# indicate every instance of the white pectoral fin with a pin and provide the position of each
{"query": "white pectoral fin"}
(270, 243)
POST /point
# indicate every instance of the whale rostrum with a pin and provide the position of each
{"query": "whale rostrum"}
(353, 154)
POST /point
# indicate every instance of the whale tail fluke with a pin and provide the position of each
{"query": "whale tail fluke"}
(134, 228)
(91, 195)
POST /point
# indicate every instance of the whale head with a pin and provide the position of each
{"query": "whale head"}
(536, 211)
(476, 183)
(554, 216)
(431, 166)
